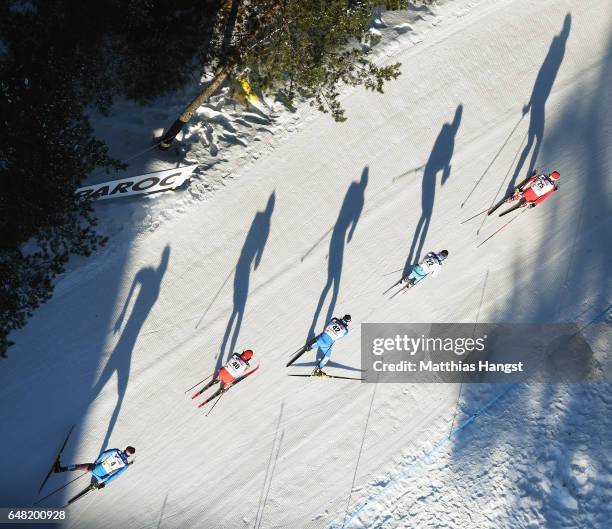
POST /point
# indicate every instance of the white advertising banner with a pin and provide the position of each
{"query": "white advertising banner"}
(137, 185)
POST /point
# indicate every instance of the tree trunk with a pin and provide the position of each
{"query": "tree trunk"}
(233, 57)
(182, 120)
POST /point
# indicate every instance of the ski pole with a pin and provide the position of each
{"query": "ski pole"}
(403, 289)
(80, 495)
(214, 404)
(500, 229)
(474, 216)
(296, 351)
(60, 488)
(392, 286)
(394, 272)
(199, 383)
(495, 158)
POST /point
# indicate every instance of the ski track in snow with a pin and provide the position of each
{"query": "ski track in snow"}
(242, 257)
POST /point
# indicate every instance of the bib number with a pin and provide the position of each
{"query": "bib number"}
(235, 367)
(334, 331)
(112, 463)
(541, 186)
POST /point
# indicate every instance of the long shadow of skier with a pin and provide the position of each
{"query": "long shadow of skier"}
(149, 280)
(537, 103)
(343, 230)
(439, 160)
(250, 256)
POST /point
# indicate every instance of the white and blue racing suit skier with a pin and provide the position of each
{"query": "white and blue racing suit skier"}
(335, 329)
(430, 265)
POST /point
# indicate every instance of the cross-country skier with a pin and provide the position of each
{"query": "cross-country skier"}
(536, 189)
(533, 190)
(109, 466)
(429, 266)
(234, 369)
(335, 329)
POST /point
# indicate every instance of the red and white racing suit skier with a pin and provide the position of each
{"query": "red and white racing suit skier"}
(536, 189)
(234, 369)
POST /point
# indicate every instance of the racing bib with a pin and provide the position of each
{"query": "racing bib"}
(541, 185)
(430, 263)
(236, 367)
(335, 330)
(113, 463)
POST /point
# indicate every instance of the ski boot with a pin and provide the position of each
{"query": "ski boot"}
(409, 282)
(318, 372)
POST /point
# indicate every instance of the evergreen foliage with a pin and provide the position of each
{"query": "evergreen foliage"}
(46, 148)
(310, 48)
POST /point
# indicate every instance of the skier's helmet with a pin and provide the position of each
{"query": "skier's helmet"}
(247, 355)
(346, 318)
(554, 176)
(130, 450)
(443, 255)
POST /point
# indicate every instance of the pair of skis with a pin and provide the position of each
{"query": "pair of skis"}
(86, 490)
(490, 211)
(320, 374)
(404, 288)
(504, 200)
(80, 494)
(521, 203)
(324, 375)
(509, 197)
(219, 393)
(56, 461)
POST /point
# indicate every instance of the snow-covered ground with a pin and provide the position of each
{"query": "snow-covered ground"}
(292, 218)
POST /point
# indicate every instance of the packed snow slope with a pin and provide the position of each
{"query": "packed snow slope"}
(307, 229)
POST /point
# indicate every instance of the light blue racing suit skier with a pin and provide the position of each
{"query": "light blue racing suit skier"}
(110, 465)
(430, 265)
(336, 329)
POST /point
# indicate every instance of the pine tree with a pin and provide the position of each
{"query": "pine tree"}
(46, 148)
(319, 47)
(306, 48)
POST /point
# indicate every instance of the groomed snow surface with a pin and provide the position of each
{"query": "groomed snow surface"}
(292, 218)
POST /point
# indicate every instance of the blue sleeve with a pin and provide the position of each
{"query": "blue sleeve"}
(115, 475)
(105, 454)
